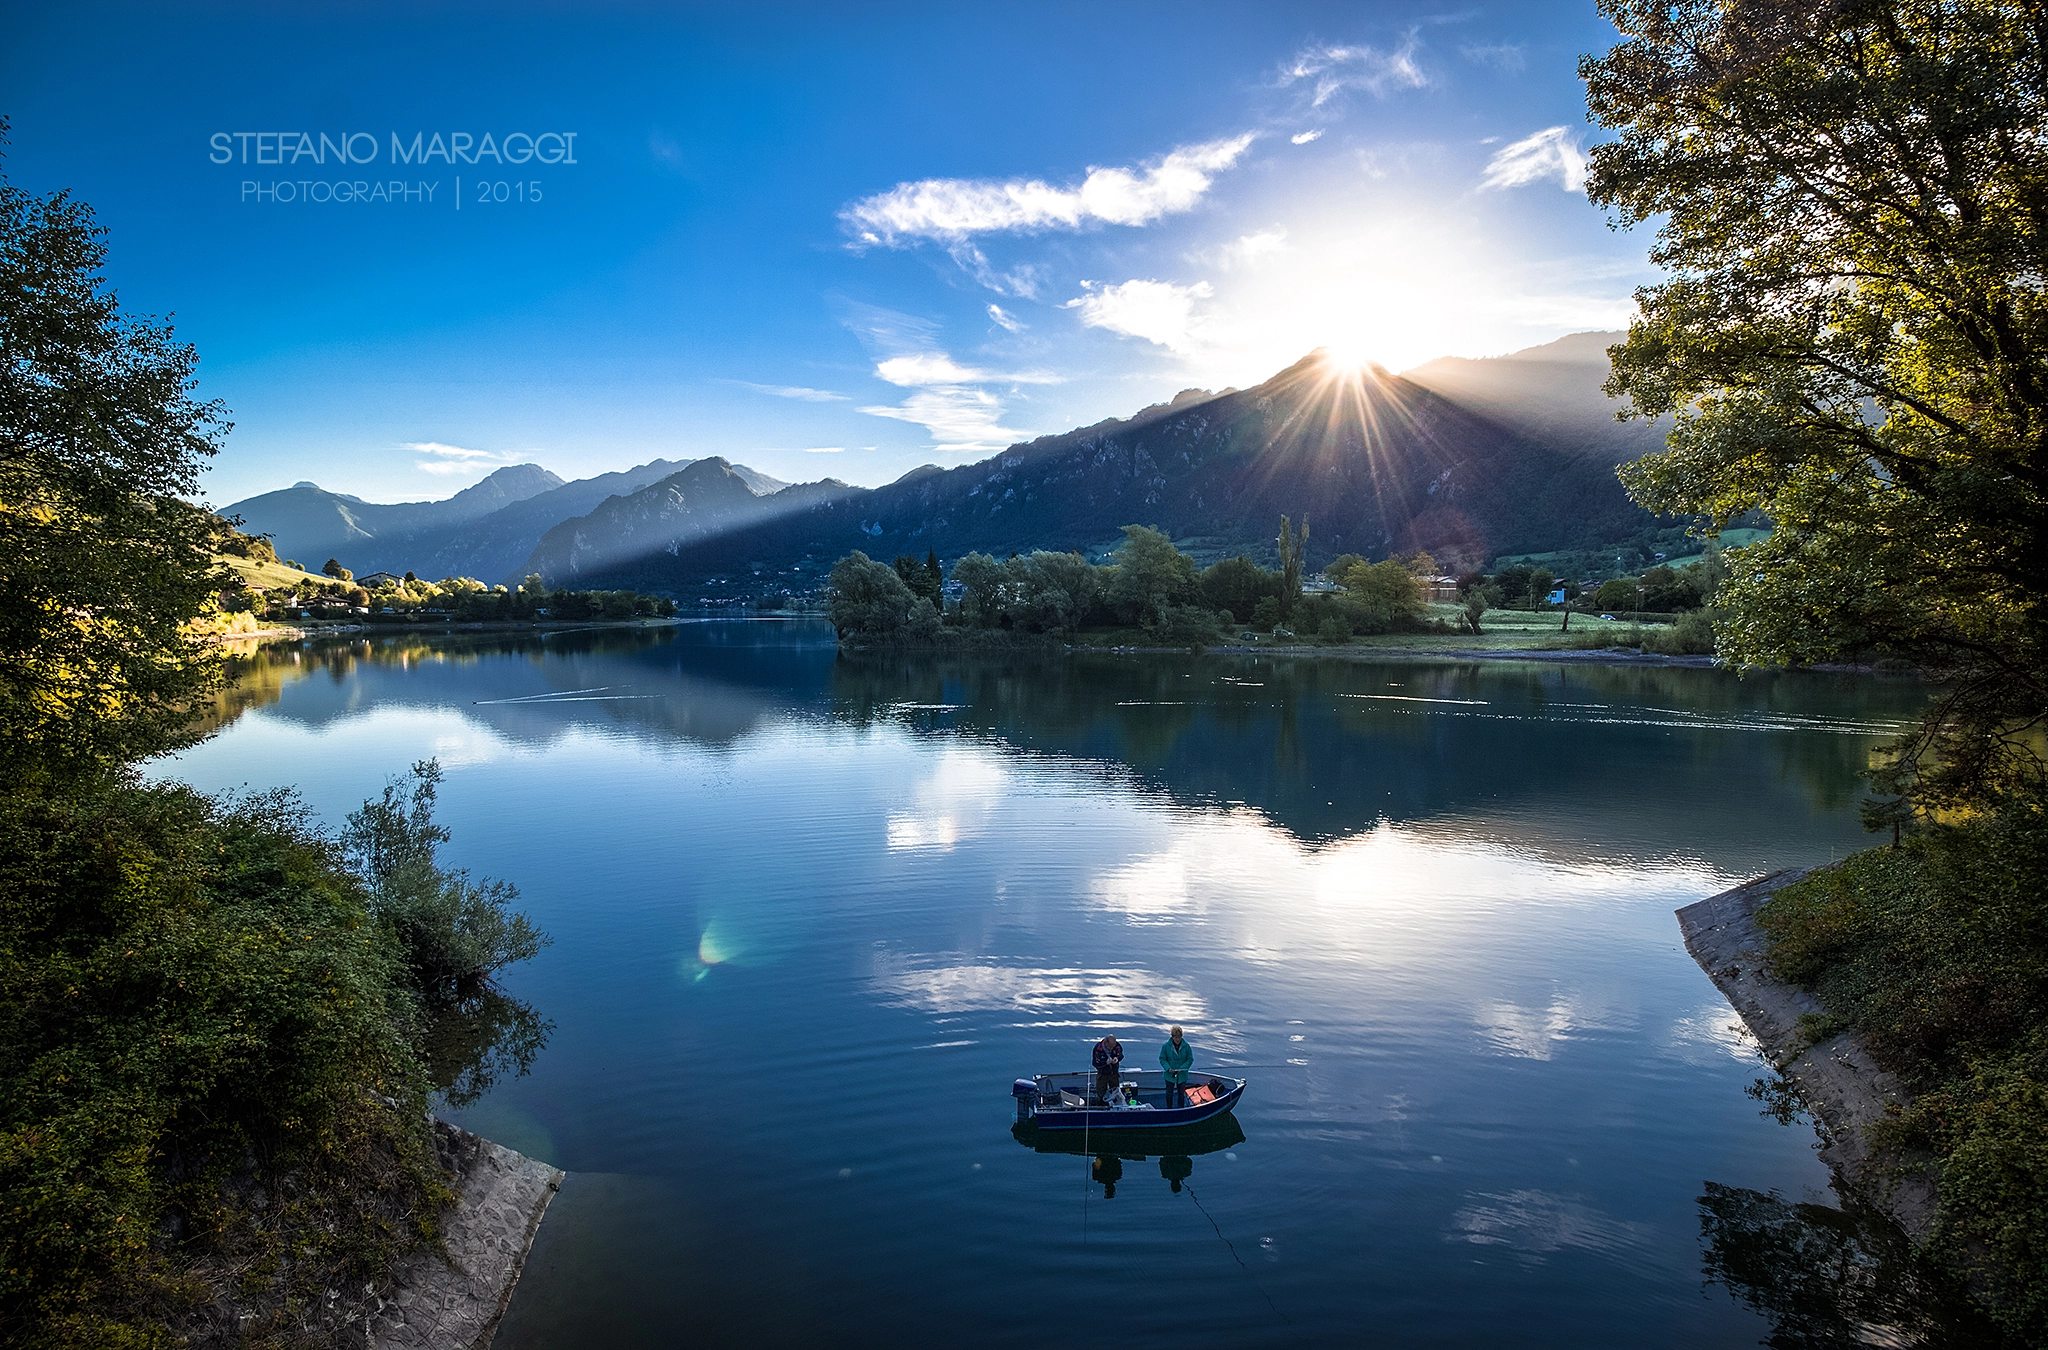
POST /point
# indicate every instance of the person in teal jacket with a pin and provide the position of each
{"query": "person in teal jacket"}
(1176, 1057)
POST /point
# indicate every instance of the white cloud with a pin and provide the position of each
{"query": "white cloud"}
(1501, 56)
(955, 209)
(1256, 247)
(961, 419)
(1157, 311)
(795, 391)
(451, 459)
(448, 451)
(1305, 137)
(1550, 152)
(1004, 319)
(926, 368)
(1332, 70)
(824, 449)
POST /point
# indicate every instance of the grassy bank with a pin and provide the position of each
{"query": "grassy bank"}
(1937, 952)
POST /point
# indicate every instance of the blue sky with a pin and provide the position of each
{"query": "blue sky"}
(816, 240)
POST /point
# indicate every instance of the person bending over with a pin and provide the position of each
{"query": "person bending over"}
(1109, 1065)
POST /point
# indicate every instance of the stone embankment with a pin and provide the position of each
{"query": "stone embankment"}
(454, 1301)
(1837, 1078)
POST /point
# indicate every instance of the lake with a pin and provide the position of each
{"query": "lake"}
(812, 914)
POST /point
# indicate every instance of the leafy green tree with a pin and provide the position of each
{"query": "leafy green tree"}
(984, 598)
(333, 568)
(1053, 592)
(1292, 547)
(1853, 337)
(923, 581)
(866, 600)
(1379, 597)
(1238, 584)
(1149, 577)
(454, 932)
(102, 564)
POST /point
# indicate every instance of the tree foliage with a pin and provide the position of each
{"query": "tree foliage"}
(1853, 337)
(1151, 577)
(866, 600)
(454, 932)
(102, 564)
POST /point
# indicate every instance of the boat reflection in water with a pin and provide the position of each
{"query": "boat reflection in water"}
(1176, 1147)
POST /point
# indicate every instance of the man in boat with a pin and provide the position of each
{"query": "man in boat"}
(1109, 1066)
(1176, 1057)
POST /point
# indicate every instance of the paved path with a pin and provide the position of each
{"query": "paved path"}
(455, 1303)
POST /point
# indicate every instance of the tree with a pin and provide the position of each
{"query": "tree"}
(102, 565)
(984, 601)
(333, 568)
(1238, 584)
(923, 581)
(1291, 548)
(866, 600)
(1150, 576)
(1853, 338)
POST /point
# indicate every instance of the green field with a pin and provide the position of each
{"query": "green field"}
(268, 576)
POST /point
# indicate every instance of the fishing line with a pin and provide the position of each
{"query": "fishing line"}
(1249, 1272)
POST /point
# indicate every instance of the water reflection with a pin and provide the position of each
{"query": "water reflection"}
(479, 1039)
(1829, 1277)
(1108, 1151)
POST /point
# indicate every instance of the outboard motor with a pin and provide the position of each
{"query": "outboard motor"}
(1026, 1093)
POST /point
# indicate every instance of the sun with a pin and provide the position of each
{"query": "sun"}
(1347, 355)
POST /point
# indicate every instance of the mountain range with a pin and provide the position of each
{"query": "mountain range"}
(1470, 459)
(485, 531)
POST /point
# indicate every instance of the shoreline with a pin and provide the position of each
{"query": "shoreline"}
(451, 1296)
(1838, 1080)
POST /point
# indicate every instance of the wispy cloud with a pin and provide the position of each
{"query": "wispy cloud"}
(1550, 153)
(1501, 56)
(452, 459)
(824, 449)
(1303, 138)
(953, 210)
(795, 391)
(1332, 70)
(961, 418)
(1157, 311)
(1006, 320)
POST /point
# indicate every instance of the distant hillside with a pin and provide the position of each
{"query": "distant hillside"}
(1378, 463)
(307, 522)
(1551, 394)
(485, 531)
(706, 500)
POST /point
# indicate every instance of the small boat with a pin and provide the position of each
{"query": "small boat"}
(1066, 1101)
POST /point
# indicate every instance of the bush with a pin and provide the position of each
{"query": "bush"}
(1336, 628)
(1692, 635)
(205, 1066)
(453, 932)
(1937, 952)
(1183, 626)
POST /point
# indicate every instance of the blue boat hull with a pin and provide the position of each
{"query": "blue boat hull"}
(1157, 1119)
(1064, 1102)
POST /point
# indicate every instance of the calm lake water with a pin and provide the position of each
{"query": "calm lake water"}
(812, 914)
